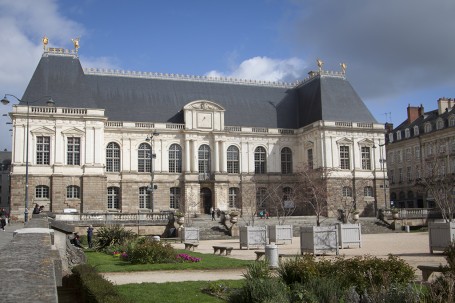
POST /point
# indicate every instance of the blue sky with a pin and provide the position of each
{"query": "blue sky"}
(397, 52)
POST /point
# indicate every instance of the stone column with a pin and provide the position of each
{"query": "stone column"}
(187, 156)
(217, 156)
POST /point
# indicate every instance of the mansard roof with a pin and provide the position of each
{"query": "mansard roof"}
(142, 97)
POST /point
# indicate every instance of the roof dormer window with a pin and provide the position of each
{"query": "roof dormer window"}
(427, 127)
(399, 135)
(440, 124)
(416, 130)
(407, 133)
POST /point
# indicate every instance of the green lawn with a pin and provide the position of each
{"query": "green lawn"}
(108, 263)
(178, 292)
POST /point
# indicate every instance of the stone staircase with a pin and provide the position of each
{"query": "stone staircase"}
(213, 230)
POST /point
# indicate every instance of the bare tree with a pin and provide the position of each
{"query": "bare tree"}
(281, 200)
(249, 203)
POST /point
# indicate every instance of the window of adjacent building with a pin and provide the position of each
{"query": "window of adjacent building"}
(453, 165)
(452, 121)
(368, 191)
(391, 137)
(393, 196)
(204, 159)
(347, 191)
(416, 130)
(400, 175)
(42, 192)
(408, 154)
(428, 127)
(391, 157)
(407, 133)
(260, 160)
(144, 197)
(286, 161)
(442, 168)
(344, 157)
(417, 152)
(143, 158)
(73, 192)
(43, 147)
(366, 157)
(113, 198)
(73, 151)
(409, 173)
(174, 197)
(418, 172)
(429, 150)
(233, 166)
(261, 197)
(440, 124)
(410, 194)
(392, 176)
(233, 197)
(113, 157)
(401, 195)
(175, 158)
(310, 158)
(398, 135)
(399, 156)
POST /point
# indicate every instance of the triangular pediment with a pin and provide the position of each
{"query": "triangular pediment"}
(366, 142)
(204, 105)
(73, 132)
(344, 141)
(42, 130)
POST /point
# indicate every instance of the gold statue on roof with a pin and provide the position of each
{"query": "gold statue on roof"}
(76, 43)
(45, 41)
(343, 68)
(320, 64)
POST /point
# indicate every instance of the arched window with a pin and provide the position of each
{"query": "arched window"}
(73, 192)
(204, 159)
(175, 159)
(410, 194)
(113, 197)
(260, 160)
(233, 166)
(393, 196)
(261, 197)
(113, 157)
(416, 130)
(428, 127)
(144, 197)
(407, 133)
(402, 195)
(143, 158)
(174, 197)
(368, 191)
(452, 121)
(42, 192)
(440, 124)
(286, 161)
(347, 191)
(233, 197)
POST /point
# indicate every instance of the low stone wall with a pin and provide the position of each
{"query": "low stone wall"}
(31, 268)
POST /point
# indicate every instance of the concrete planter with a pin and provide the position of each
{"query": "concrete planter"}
(253, 236)
(349, 234)
(441, 235)
(190, 234)
(280, 234)
(319, 240)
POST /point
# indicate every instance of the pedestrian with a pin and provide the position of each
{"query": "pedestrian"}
(212, 212)
(76, 241)
(36, 209)
(41, 208)
(3, 218)
(89, 236)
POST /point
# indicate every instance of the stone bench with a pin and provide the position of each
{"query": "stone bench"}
(261, 253)
(222, 249)
(427, 270)
(191, 246)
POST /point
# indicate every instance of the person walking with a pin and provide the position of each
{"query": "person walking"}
(212, 212)
(89, 236)
(3, 219)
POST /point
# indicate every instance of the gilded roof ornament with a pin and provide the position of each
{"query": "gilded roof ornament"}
(320, 64)
(76, 43)
(343, 68)
(45, 41)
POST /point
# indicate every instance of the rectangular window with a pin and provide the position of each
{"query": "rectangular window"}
(144, 197)
(74, 151)
(310, 158)
(233, 194)
(409, 173)
(174, 198)
(344, 157)
(417, 152)
(391, 176)
(43, 147)
(366, 158)
(400, 175)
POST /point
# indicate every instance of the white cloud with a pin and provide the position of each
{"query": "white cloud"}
(267, 69)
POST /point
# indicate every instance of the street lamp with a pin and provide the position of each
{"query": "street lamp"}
(382, 160)
(152, 175)
(49, 102)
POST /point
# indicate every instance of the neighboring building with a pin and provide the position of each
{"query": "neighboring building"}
(423, 144)
(218, 139)
(5, 169)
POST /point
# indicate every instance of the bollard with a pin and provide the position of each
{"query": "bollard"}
(156, 238)
(407, 228)
(271, 255)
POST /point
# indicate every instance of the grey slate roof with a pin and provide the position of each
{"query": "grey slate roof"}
(162, 100)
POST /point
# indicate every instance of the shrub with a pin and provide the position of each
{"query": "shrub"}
(146, 251)
(94, 288)
(187, 258)
(110, 235)
(442, 289)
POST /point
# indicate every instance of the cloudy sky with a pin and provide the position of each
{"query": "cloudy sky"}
(397, 52)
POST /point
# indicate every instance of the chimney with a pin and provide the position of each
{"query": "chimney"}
(388, 127)
(413, 113)
(444, 104)
(421, 111)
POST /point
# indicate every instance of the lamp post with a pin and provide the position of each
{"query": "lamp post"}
(152, 174)
(382, 160)
(49, 102)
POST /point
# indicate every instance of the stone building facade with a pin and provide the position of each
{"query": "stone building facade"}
(200, 142)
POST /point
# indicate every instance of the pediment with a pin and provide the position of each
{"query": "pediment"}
(366, 142)
(345, 141)
(73, 132)
(204, 105)
(42, 131)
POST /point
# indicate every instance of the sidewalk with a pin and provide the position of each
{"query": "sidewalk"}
(7, 235)
(412, 247)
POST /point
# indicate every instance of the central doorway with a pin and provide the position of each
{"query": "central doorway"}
(206, 199)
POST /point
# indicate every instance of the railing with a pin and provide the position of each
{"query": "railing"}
(205, 176)
(157, 218)
(413, 213)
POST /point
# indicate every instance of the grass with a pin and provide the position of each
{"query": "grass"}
(108, 263)
(175, 292)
